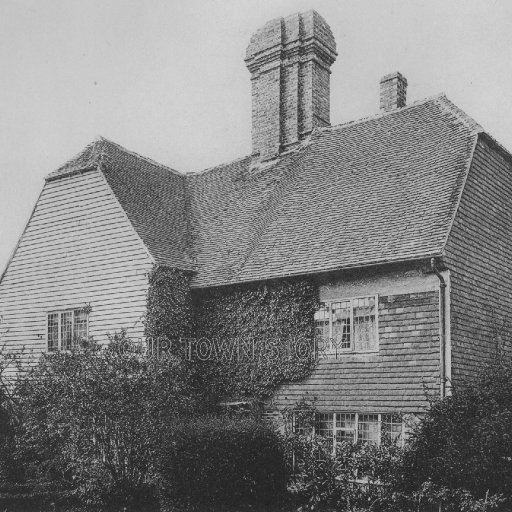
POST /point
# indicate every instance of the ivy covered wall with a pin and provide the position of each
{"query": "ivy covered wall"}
(249, 338)
(265, 330)
(169, 315)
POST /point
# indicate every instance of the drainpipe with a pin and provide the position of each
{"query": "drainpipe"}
(442, 321)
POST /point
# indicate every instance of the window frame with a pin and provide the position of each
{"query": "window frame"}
(333, 348)
(356, 439)
(60, 313)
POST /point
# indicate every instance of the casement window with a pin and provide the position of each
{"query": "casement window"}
(65, 328)
(363, 428)
(347, 325)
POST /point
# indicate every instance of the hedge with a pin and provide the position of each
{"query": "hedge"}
(221, 461)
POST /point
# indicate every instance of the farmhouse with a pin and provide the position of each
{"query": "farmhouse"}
(401, 223)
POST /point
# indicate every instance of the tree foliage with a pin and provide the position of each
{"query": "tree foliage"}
(95, 416)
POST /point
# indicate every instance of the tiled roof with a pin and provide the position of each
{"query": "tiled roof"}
(377, 190)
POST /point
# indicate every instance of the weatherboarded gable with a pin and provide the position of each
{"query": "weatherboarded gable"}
(78, 249)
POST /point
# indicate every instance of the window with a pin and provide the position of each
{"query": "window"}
(346, 325)
(345, 427)
(392, 427)
(362, 428)
(65, 328)
(368, 428)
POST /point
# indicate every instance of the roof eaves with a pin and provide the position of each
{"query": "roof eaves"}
(335, 268)
(71, 172)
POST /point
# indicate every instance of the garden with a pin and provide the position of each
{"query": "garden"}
(103, 428)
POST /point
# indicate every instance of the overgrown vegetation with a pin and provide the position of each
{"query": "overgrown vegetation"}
(122, 426)
(278, 315)
(95, 417)
(112, 427)
(222, 462)
(169, 314)
(463, 446)
(345, 477)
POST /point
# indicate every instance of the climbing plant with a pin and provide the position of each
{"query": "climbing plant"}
(257, 335)
(169, 308)
(248, 337)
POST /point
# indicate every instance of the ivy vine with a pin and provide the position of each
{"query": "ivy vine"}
(274, 317)
(169, 314)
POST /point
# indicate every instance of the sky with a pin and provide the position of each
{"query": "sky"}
(167, 79)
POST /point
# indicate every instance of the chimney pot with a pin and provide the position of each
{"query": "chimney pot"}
(393, 92)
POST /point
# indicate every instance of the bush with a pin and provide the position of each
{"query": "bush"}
(357, 476)
(463, 445)
(37, 496)
(94, 417)
(221, 461)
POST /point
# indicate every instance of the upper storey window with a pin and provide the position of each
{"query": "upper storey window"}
(65, 328)
(347, 325)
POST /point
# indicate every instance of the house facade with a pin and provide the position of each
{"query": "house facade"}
(401, 221)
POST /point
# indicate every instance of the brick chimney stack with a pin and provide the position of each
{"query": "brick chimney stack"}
(393, 91)
(289, 60)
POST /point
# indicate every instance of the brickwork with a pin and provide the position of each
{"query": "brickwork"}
(396, 379)
(479, 256)
(393, 91)
(289, 60)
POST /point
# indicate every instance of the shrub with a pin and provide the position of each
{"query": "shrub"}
(463, 446)
(356, 476)
(94, 417)
(37, 496)
(221, 461)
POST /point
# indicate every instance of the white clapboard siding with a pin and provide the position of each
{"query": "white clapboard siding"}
(78, 248)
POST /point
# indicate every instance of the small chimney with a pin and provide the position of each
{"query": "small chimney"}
(289, 60)
(393, 91)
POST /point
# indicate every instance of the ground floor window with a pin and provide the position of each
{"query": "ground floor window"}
(65, 328)
(365, 428)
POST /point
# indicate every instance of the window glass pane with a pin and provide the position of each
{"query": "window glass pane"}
(53, 332)
(66, 332)
(341, 325)
(392, 427)
(323, 428)
(80, 332)
(368, 428)
(303, 423)
(322, 330)
(365, 327)
(345, 427)
(323, 424)
(322, 321)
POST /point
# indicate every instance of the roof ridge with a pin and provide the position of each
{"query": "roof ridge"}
(139, 156)
(97, 149)
(440, 98)
(379, 115)
(214, 167)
